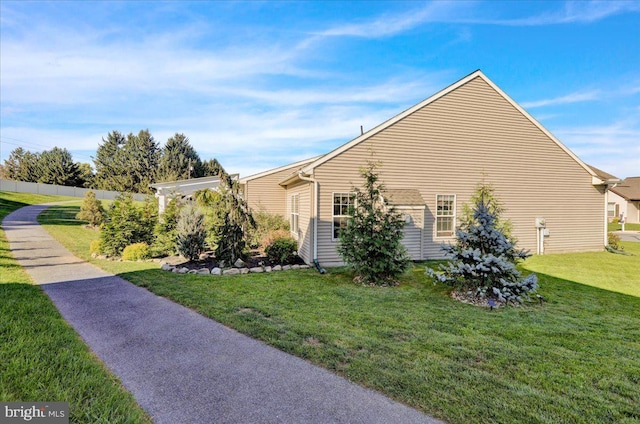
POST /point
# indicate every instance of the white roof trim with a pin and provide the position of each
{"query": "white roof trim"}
(309, 168)
(189, 182)
(281, 168)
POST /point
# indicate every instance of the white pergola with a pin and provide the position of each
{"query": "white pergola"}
(170, 189)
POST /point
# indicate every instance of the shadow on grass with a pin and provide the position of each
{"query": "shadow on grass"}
(61, 215)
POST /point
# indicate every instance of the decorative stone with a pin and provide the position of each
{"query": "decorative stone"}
(231, 271)
(304, 266)
(183, 270)
(296, 266)
(277, 268)
(204, 271)
(256, 269)
(222, 264)
(192, 271)
(267, 269)
(239, 263)
(244, 270)
(175, 270)
(286, 267)
(216, 271)
(166, 267)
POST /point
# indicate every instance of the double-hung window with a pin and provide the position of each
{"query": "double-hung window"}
(295, 214)
(445, 215)
(342, 203)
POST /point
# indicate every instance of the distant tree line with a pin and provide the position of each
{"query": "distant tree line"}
(122, 163)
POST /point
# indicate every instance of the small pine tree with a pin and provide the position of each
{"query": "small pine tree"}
(371, 242)
(483, 261)
(124, 225)
(191, 232)
(91, 210)
(165, 232)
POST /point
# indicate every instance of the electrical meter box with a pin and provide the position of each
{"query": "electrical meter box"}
(541, 223)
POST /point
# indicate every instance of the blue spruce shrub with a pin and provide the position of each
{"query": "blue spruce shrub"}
(483, 261)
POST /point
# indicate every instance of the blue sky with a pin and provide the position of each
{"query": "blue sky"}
(262, 84)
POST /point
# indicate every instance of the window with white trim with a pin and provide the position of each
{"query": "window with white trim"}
(612, 210)
(445, 215)
(295, 214)
(342, 203)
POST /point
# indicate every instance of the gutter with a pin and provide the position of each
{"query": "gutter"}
(315, 218)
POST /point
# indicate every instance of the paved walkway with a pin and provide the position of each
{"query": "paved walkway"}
(180, 366)
(628, 235)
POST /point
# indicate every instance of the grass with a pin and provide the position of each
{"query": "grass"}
(627, 227)
(573, 359)
(41, 356)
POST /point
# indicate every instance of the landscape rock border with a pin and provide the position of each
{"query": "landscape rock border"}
(177, 269)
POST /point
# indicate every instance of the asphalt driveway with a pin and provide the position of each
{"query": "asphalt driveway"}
(180, 366)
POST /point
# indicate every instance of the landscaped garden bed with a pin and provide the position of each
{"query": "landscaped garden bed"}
(208, 264)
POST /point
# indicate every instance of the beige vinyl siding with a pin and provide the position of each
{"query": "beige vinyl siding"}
(412, 231)
(305, 224)
(467, 136)
(264, 193)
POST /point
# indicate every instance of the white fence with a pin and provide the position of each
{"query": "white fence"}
(37, 188)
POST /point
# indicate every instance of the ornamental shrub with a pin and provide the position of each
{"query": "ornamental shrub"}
(136, 251)
(613, 241)
(95, 247)
(371, 242)
(125, 224)
(483, 261)
(91, 210)
(267, 225)
(282, 251)
(191, 233)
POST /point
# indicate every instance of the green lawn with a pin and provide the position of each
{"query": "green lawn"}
(41, 356)
(574, 359)
(627, 227)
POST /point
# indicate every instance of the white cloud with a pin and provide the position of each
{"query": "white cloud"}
(579, 96)
(614, 148)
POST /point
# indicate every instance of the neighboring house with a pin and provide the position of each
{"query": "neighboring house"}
(182, 188)
(624, 199)
(613, 200)
(433, 155)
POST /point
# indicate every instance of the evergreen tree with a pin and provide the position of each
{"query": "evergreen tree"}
(166, 235)
(21, 165)
(91, 210)
(56, 166)
(371, 243)
(125, 224)
(483, 261)
(109, 163)
(85, 175)
(179, 160)
(141, 155)
(487, 193)
(231, 234)
(190, 232)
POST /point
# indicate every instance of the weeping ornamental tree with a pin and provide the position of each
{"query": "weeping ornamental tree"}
(483, 261)
(371, 241)
(230, 234)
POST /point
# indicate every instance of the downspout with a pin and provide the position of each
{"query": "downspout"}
(606, 215)
(315, 219)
